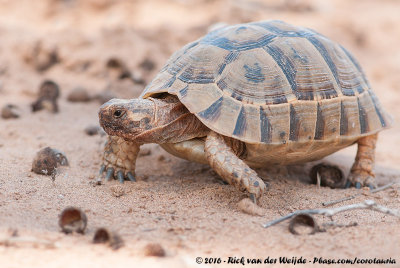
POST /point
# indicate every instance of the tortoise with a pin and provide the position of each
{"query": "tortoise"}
(250, 95)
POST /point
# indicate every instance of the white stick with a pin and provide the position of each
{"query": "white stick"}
(367, 204)
(384, 187)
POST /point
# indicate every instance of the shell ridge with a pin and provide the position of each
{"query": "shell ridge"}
(240, 123)
(285, 65)
(231, 57)
(265, 127)
(213, 111)
(362, 117)
(356, 64)
(268, 25)
(227, 44)
(294, 124)
(324, 53)
(377, 109)
(344, 123)
(319, 124)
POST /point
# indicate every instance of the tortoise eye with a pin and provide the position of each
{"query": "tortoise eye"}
(118, 113)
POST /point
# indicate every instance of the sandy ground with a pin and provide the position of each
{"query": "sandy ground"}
(182, 206)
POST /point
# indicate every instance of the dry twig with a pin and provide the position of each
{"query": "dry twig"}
(367, 204)
(333, 202)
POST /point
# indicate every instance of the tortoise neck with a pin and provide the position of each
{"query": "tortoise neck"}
(172, 123)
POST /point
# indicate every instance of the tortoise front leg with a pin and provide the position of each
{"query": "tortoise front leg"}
(362, 173)
(119, 159)
(232, 169)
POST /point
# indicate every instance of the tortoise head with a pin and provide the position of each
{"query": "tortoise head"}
(127, 118)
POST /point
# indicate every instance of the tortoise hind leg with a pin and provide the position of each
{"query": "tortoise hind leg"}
(362, 173)
(232, 169)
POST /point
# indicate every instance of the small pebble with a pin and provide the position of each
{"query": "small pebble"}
(102, 235)
(41, 55)
(47, 160)
(303, 224)
(78, 94)
(147, 65)
(117, 69)
(92, 130)
(117, 190)
(9, 111)
(248, 206)
(154, 250)
(161, 158)
(72, 220)
(330, 176)
(95, 182)
(48, 94)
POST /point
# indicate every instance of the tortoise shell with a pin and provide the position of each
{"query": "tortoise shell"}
(273, 83)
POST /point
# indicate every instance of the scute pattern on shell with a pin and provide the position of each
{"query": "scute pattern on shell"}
(274, 83)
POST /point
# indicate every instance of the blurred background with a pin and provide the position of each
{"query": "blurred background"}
(73, 40)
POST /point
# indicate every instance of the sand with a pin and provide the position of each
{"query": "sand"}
(182, 206)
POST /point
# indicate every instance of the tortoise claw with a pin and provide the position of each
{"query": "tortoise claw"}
(120, 176)
(358, 185)
(131, 177)
(110, 173)
(102, 168)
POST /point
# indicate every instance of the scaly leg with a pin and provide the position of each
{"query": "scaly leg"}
(362, 173)
(119, 159)
(232, 169)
